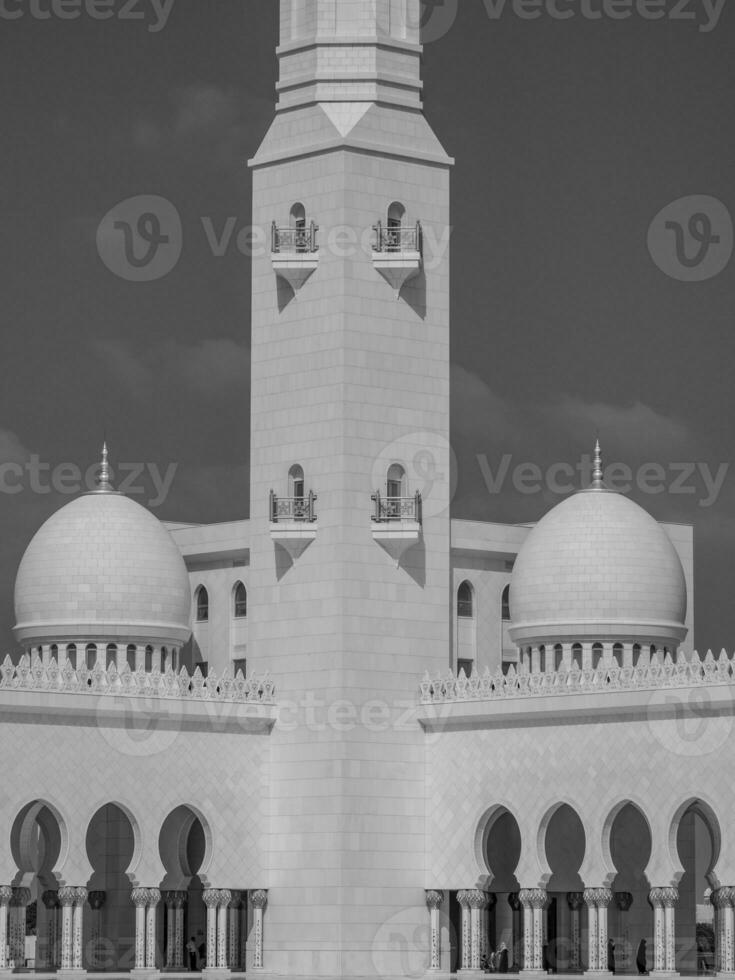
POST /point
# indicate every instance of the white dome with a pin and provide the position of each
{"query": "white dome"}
(104, 569)
(598, 567)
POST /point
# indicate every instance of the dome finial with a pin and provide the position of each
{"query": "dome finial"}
(103, 479)
(597, 472)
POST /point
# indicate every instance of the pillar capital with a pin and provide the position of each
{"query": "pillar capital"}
(139, 897)
(6, 894)
(623, 901)
(665, 897)
(476, 899)
(80, 896)
(724, 897)
(259, 898)
(532, 898)
(21, 896)
(434, 899)
(97, 899)
(597, 897)
(210, 897)
(50, 899)
(67, 896)
(225, 897)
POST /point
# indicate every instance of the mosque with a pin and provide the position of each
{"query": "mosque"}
(351, 736)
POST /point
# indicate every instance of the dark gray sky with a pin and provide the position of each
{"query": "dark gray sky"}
(570, 137)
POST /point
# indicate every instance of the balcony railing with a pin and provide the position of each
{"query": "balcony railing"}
(294, 239)
(652, 673)
(298, 509)
(401, 238)
(389, 509)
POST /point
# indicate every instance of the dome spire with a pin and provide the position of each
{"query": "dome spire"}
(103, 479)
(597, 472)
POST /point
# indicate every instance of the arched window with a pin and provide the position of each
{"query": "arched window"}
(91, 656)
(505, 605)
(71, 653)
(396, 214)
(54, 652)
(597, 652)
(558, 656)
(241, 601)
(296, 482)
(111, 655)
(175, 659)
(298, 223)
(396, 482)
(618, 654)
(202, 604)
(636, 653)
(577, 654)
(130, 655)
(148, 659)
(465, 603)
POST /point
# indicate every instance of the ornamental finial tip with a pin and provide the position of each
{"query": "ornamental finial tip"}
(597, 472)
(103, 479)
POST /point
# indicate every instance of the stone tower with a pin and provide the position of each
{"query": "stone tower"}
(350, 401)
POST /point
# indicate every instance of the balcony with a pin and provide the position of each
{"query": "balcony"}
(396, 523)
(293, 522)
(136, 699)
(660, 686)
(294, 252)
(397, 253)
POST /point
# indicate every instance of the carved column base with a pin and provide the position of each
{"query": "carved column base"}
(216, 973)
(144, 974)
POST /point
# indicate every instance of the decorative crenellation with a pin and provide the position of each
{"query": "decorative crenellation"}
(654, 671)
(101, 680)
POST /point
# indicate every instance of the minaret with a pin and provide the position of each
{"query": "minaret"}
(350, 401)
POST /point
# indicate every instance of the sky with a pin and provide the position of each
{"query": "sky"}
(592, 279)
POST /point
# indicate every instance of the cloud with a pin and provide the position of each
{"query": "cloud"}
(210, 368)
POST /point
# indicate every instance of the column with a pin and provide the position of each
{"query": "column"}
(434, 902)
(477, 903)
(604, 897)
(154, 897)
(723, 900)
(575, 901)
(463, 897)
(6, 894)
(17, 938)
(225, 897)
(139, 898)
(80, 898)
(67, 897)
(51, 901)
(655, 897)
(259, 901)
(210, 897)
(533, 901)
(175, 904)
(96, 902)
(597, 901)
(670, 899)
(624, 960)
(233, 931)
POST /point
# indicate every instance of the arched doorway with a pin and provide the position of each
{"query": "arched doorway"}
(36, 840)
(184, 844)
(697, 844)
(109, 927)
(630, 916)
(564, 844)
(502, 851)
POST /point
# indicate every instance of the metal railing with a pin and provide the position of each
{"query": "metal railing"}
(294, 239)
(396, 508)
(293, 508)
(400, 238)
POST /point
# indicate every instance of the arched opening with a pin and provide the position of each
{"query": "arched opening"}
(90, 656)
(71, 654)
(111, 847)
(396, 482)
(630, 917)
(130, 655)
(396, 216)
(505, 605)
(184, 844)
(148, 659)
(111, 655)
(636, 654)
(618, 654)
(298, 224)
(597, 654)
(697, 844)
(577, 655)
(201, 600)
(465, 628)
(564, 845)
(240, 599)
(296, 482)
(558, 656)
(36, 840)
(501, 849)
